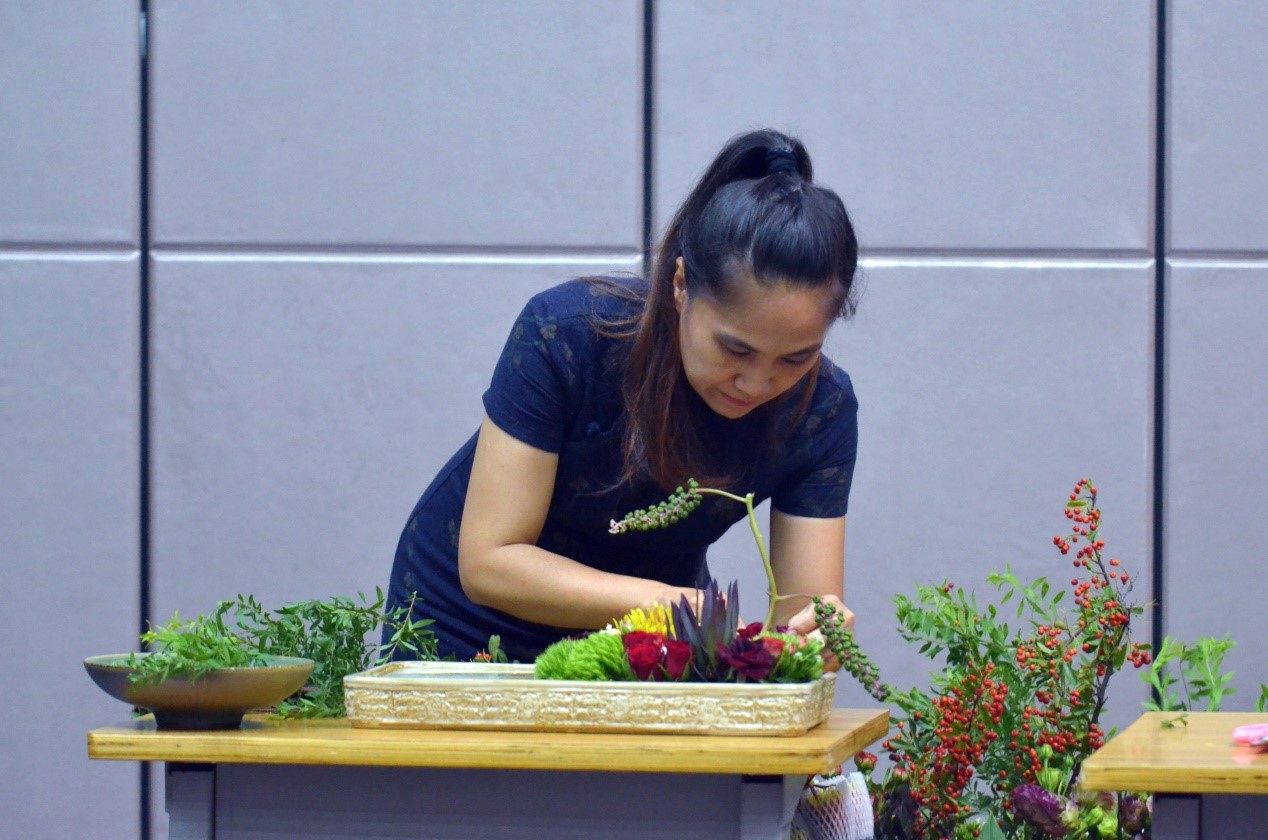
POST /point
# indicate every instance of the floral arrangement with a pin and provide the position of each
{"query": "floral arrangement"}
(702, 641)
(696, 643)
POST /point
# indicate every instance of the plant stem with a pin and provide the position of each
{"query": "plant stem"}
(772, 591)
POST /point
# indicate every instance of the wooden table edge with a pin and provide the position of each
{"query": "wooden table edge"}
(1107, 770)
(815, 752)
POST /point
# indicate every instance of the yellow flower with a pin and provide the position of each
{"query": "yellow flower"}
(658, 619)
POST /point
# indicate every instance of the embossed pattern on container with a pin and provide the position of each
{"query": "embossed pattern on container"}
(452, 695)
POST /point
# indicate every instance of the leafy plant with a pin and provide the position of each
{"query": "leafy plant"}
(1196, 669)
(993, 747)
(493, 652)
(335, 633)
(191, 649)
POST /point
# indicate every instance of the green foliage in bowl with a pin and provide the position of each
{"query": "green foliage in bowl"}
(216, 700)
(338, 634)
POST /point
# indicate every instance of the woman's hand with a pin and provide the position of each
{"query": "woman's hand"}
(805, 624)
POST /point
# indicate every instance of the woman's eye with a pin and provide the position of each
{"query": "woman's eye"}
(737, 352)
(796, 361)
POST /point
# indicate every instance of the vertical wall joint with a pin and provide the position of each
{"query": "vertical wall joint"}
(1160, 324)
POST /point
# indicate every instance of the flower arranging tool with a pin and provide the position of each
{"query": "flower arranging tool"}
(1254, 735)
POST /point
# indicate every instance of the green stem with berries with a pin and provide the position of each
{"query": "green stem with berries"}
(840, 640)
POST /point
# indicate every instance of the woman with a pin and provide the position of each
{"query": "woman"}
(611, 392)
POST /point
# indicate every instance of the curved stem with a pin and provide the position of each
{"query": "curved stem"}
(746, 499)
(772, 590)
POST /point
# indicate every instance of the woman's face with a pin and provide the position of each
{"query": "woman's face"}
(754, 347)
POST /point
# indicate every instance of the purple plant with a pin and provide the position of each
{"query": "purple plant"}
(1040, 808)
(709, 629)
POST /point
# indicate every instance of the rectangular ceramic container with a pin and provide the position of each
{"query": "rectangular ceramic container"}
(472, 695)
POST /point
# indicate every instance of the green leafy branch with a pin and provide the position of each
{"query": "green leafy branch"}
(191, 649)
(339, 634)
(1185, 674)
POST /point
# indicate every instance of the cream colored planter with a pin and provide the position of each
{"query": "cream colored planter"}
(464, 695)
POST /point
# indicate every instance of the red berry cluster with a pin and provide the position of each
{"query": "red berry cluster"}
(939, 757)
(1070, 665)
(1008, 710)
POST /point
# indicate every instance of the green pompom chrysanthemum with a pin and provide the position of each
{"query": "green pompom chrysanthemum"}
(599, 656)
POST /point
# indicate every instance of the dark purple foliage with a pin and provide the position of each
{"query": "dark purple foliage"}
(1040, 808)
(709, 630)
(1133, 814)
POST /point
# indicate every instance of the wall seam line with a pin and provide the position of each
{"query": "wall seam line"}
(144, 604)
(1158, 559)
(649, 79)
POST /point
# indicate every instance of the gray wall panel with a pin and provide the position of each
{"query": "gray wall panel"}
(68, 535)
(1216, 405)
(301, 408)
(69, 122)
(346, 197)
(964, 126)
(982, 402)
(1218, 128)
(397, 122)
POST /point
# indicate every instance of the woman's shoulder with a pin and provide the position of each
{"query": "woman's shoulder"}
(606, 297)
(827, 430)
(834, 389)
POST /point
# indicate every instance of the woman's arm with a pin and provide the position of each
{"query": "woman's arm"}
(499, 562)
(808, 558)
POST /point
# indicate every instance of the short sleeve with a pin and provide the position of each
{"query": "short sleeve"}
(528, 395)
(830, 432)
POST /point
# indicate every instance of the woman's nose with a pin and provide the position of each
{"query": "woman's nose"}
(755, 384)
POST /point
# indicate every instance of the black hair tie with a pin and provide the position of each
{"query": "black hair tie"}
(780, 159)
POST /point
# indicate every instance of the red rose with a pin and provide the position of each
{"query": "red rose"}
(644, 659)
(635, 638)
(749, 631)
(773, 644)
(677, 657)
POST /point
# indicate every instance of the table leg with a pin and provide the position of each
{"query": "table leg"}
(767, 804)
(191, 801)
(1177, 817)
(1234, 815)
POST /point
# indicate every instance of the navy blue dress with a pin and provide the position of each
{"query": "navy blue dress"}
(557, 387)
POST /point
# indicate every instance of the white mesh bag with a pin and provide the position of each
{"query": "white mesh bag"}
(834, 808)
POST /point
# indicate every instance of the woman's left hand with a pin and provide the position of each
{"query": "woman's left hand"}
(805, 623)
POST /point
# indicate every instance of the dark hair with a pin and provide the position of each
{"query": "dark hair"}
(755, 212)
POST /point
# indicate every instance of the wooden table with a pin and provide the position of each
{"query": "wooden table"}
(1196, 771)
(329, 779)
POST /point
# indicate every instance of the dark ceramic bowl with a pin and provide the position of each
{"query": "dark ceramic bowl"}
(217, 700)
